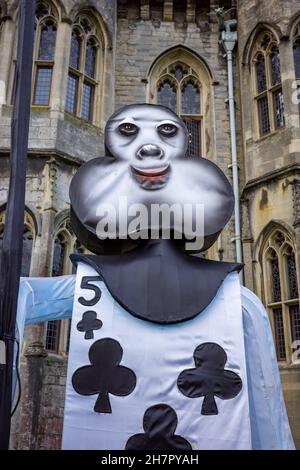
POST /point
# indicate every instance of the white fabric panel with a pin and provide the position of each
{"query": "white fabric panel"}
(269, 422)
(157, 354)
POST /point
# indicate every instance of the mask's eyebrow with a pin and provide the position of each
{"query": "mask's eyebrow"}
(147, 119)
(167, 121)
(125, 119)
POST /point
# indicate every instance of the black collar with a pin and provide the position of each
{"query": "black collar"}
(158, 282)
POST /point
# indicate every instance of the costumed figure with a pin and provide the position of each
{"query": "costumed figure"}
(167, 350)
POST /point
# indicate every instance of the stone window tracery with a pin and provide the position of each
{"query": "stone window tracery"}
(45, 41)
(281, 289)
(267, 84)
(83, 68)
(28, 242)
(179, 89)
(296, 54)
(65, 243)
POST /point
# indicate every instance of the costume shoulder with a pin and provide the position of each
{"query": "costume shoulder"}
(160, 283)
(45, 298)
(269, 423)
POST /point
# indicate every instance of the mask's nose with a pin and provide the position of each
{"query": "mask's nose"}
(150, 150)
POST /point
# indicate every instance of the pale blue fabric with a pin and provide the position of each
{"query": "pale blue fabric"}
(44, 299)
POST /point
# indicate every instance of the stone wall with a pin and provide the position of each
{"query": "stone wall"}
(271, 163)
(41, 428)
(58, 143)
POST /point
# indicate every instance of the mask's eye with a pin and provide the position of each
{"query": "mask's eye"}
(167, 129)
(128, 128)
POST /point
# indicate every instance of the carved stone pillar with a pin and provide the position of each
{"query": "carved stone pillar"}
(145, 10)
(296, 202)
(7, 38)
(191, 11)
(247, 240)
(61, 65)
(25, 424)
(168, 10)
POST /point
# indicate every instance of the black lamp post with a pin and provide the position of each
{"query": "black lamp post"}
(10, 265)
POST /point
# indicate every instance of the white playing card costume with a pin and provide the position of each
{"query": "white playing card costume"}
(45, 299)
(158, 354)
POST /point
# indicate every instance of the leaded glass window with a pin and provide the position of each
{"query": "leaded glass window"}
(296, 52)
(45, 41)
(275, 277)
(292, 274)
(295, 322)
(52, 335)
(59, 256)
(78, 248)
(26, 251)
(166, 95)
(60, 253)
(261, 78)
(83, 63)
(42, 86)
(190, 96)
(263, 113)
(279, 108)
(90, 59)
(65, 243)
(179, 89)
(282, 296)
(194, 130)
(279, 334)
(87, 100)
(268, 90)
(75, 50)
(275, 66)
(72, 90)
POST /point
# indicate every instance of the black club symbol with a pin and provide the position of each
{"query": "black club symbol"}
(105, 375)
(209, 378)
(160, 423)
(89, 323)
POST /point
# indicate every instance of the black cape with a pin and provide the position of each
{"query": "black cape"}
(159, 282)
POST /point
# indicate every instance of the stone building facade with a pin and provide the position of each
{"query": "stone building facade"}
(94, 56)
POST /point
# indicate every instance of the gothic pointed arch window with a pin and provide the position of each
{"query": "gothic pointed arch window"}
(64, 243)
(28, 241)
(296, 54)
(267, 84)
(60, 266)
(84, 68)
(179, 89)
(281, 292)
(46, 19)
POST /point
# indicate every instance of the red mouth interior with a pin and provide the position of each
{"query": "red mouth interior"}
(151, 172)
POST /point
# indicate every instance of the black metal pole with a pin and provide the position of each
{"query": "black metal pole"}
(10, 266)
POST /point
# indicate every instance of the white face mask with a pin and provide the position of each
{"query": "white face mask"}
(146, 166)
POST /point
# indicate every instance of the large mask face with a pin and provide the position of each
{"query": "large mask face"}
(148, 138)
(145, 164)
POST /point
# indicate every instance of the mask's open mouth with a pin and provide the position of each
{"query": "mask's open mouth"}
(151, 178)
(151, 172)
